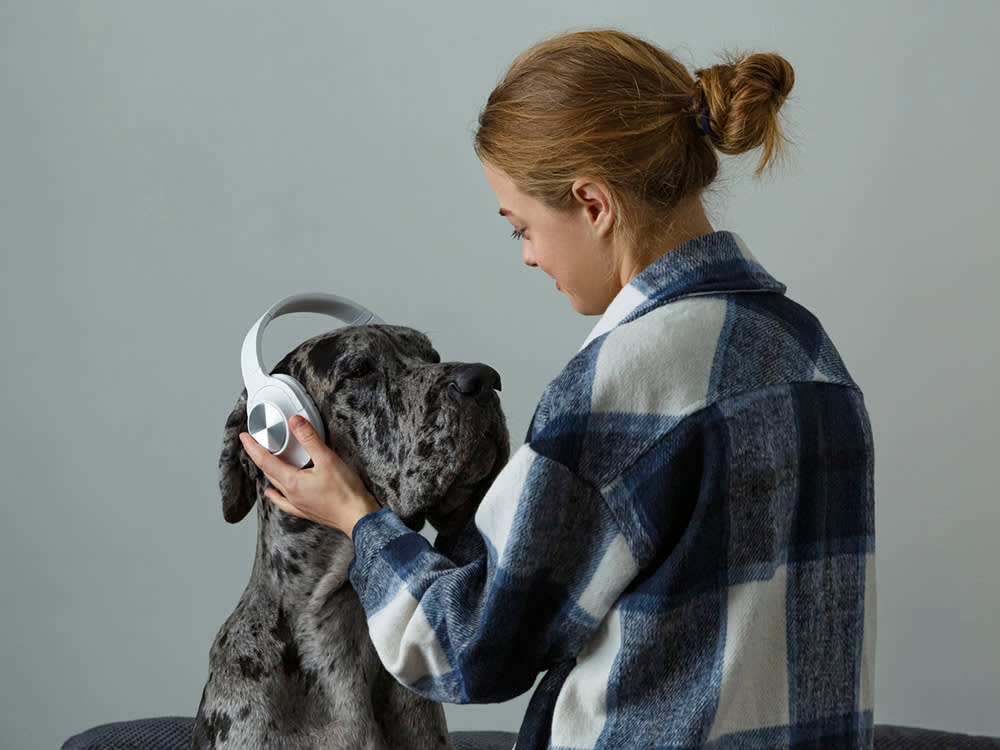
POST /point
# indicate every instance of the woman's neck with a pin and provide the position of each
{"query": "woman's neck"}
(685, 222)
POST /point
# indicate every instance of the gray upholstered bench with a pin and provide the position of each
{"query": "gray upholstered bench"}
(174, 733)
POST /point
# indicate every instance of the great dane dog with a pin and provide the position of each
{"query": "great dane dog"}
(293, 667)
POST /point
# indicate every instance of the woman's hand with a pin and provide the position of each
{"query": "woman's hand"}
(328, 492)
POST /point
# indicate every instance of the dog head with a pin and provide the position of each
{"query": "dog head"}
(426, 437)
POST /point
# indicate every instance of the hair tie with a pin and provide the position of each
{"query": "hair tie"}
(704, 126)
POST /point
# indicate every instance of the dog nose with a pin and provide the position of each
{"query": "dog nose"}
(474, 380)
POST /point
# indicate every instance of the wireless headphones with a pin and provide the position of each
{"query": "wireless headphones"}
(274, 399)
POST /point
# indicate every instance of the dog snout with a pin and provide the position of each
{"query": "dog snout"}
(475, 380)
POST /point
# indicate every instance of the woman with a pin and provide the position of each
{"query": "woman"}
(684, 543)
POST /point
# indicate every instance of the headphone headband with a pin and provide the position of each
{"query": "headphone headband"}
(343, 309)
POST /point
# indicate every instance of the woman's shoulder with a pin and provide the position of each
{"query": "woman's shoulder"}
(701, 349)
(646, 375)
(627, 387)
(659, 363)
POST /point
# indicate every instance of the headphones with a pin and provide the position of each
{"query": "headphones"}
(274, 399)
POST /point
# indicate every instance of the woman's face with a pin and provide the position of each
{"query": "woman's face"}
(568, 245)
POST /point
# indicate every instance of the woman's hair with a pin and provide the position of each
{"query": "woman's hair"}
(608, 106)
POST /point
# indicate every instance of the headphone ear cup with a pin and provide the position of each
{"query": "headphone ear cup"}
(268, 410)
(304, 404)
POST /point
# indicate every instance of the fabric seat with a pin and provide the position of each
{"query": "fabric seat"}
(174, 733)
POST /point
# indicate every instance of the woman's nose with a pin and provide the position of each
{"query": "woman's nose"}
(527, 257)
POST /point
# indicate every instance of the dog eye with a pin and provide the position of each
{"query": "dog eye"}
(359, 370)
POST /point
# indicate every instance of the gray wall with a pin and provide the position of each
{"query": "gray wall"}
(169, 169)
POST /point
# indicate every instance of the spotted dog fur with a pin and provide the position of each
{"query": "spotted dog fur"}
(293, 666)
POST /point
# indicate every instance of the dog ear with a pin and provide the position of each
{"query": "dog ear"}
(237, 473)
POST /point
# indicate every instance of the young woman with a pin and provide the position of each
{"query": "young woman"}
(684, 544)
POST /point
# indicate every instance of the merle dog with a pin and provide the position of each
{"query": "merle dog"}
(293, 666)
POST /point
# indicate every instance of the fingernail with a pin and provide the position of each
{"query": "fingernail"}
(297, 422)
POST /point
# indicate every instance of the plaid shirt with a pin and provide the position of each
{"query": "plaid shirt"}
(683, 546)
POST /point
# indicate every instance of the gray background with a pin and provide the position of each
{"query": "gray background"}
(169, 169)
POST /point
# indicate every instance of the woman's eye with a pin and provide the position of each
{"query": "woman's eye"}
(517, 234)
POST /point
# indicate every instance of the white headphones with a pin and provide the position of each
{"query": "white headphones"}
(274, 399)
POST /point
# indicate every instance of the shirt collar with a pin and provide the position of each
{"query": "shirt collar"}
(714, 263)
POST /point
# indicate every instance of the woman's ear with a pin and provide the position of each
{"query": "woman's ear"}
(595, 200)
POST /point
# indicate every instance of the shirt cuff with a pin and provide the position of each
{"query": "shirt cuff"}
(370, 536)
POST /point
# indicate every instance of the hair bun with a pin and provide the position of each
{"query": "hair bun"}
(766, 71)
(743, 96)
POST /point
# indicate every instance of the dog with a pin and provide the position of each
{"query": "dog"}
(293, 666)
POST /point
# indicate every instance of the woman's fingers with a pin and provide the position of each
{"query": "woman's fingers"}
(309, 439)
(277, 471)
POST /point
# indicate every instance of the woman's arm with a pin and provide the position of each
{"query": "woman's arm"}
(554, 564)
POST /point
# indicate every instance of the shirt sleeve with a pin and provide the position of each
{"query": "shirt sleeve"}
(553, 563)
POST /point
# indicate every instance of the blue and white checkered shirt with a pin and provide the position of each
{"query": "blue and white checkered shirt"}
(683, 546)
